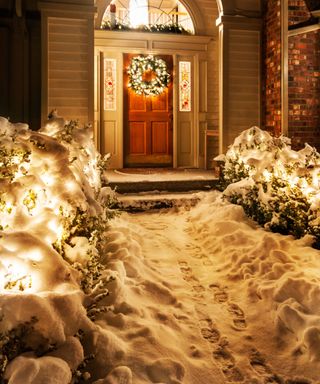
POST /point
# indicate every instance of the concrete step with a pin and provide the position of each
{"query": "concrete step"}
(125, 186)
(156, 200)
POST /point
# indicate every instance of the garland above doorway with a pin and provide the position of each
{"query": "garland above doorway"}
(142, 67)
(155, 28)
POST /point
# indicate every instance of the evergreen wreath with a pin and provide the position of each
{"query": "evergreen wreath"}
(139, 66)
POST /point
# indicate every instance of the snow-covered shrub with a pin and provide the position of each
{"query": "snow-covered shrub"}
(54, 211)
(277, 186)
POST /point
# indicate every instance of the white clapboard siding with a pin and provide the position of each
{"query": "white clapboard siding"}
(68, 67)
(243, 85)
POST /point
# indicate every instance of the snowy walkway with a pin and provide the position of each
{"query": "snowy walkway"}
(210, 298)
(171, 242)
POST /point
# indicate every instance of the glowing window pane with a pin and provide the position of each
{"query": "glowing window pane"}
(110, 100)
(138, 11)
(184, 86)
(134, 13)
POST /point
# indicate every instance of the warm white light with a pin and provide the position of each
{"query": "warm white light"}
(47, 179)
(15, 278)
(267, 175)
(138, 11)
(33, 255)
(53, 225)
(71, 186)
(60, 232)
(293, 181)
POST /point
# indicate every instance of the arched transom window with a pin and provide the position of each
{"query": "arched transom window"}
(152, 15)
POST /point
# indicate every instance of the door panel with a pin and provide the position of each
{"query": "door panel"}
(160, 133)
(138, 138)
(137, 104)
(150, 146)
(160, 103)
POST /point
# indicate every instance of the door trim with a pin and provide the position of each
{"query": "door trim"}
(114, 44)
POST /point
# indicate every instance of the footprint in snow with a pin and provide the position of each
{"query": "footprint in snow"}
(208, 331)
(259, 365)
(220, 295)
(198, 288)
(239, 320)
(193, 248)
(227, 363)
(183, 264)
(210, 334)
(203, 257)
(187, 273)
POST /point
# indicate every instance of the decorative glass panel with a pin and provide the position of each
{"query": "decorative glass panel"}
(184, 86)
(110, 99)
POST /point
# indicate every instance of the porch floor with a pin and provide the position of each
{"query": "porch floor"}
(136, 180)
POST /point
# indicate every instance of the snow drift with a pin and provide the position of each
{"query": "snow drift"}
(53, 213)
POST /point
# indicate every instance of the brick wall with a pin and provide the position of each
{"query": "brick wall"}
(272, 67)
(303, 80)
(297, 12)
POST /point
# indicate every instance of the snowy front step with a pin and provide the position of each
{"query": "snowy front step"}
(164, 185)
(156, 200)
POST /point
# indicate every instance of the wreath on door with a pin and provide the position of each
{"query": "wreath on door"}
(148, 75)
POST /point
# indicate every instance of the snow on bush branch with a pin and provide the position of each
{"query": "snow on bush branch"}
(53, 214)
(277, 186)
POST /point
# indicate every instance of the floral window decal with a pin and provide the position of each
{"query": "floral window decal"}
(185, 86)
(110, 84)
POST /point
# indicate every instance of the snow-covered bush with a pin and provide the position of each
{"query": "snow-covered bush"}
(277, 186)
(53, 214)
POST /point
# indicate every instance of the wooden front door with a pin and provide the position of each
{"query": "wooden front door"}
(148, 124)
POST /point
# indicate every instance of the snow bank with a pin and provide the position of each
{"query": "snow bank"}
(274, 279)
(53, 213)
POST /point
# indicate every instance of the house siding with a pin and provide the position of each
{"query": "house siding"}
(68, 63)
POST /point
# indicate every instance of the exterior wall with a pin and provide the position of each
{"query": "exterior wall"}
(291, 71)
(272, 67)
(240, 76)
(68, 63)
(304, 89)
(68, 59)
(303, 80)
